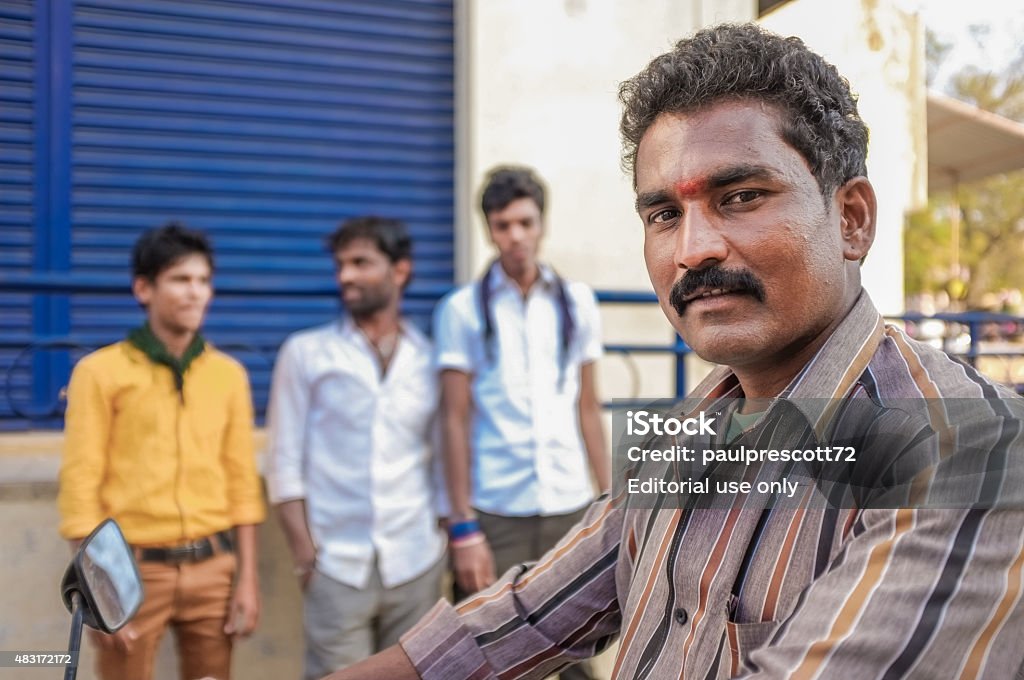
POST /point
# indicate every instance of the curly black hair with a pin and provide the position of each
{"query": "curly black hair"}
(818, 113)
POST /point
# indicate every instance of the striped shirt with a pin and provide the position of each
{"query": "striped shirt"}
(788, 593)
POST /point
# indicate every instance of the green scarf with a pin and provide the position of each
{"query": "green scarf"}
(143, 338)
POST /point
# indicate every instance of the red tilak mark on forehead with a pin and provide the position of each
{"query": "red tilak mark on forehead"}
(691, 187)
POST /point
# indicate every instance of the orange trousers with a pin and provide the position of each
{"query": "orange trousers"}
(192, 599)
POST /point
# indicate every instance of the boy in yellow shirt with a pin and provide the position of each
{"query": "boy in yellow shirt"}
(158, 435)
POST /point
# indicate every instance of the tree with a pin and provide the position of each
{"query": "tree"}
(991, 244)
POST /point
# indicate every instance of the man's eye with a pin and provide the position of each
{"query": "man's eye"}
(662, 216)
(745, 196)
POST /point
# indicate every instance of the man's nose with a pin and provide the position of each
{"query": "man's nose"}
(345, 276)
(699, 243)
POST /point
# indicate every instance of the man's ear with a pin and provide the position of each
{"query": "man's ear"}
(402, 270)
(858, 215)
(490, 231)
(142, 289)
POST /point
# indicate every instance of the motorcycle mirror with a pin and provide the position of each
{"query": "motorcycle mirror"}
(104, 573)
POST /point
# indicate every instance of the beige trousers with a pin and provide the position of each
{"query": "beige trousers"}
(193, 599)
(344, 625)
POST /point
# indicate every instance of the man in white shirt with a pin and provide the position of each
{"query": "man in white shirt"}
(351, 468)
(520, 413)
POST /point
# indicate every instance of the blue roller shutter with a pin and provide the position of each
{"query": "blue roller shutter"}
(17, 179)
(263, 123)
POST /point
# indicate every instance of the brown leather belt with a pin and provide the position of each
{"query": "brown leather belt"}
(193, 551)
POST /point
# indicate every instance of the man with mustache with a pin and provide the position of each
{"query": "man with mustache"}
(748, 160)
(351, 467)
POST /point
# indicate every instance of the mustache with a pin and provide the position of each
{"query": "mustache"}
(741, 280)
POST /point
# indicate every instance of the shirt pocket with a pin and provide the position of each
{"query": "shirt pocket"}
(744, 638)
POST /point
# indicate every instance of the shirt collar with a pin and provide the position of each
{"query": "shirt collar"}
(828, 377)
(497, 279)
(144, 340)
(348, 329)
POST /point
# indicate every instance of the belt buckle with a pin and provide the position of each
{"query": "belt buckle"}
(182, 553)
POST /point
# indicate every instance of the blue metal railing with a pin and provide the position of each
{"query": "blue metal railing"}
(677, 348)
(268, 286)
(974, 322)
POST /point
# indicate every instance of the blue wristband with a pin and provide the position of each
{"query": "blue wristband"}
(463, 529)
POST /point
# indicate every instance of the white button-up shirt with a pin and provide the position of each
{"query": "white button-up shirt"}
(527, 453)
(358, 449)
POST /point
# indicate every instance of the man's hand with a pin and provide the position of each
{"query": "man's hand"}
(244, 611)
(305, 572)
(473, 566)
(123, 640)
(296, 530)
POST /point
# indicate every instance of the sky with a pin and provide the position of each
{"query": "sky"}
(950, 20)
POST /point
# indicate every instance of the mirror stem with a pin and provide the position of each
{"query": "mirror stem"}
(75, 641)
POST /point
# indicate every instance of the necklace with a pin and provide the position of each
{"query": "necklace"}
(386, 345)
